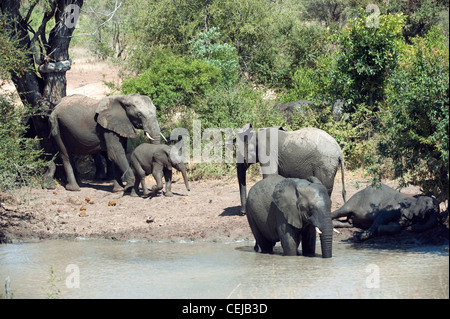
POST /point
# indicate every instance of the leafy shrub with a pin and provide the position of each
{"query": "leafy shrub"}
(237, 106)
(365, 56)
(415, 121)
(20, 162)
(173, 80)
(207, 47)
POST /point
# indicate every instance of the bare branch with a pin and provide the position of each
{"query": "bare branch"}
(111, 15)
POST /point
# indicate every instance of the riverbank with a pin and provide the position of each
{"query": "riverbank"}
(209, 213)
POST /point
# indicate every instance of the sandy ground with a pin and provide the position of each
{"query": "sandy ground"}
(209, 212)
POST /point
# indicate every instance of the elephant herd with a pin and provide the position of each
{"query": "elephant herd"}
(291, 205)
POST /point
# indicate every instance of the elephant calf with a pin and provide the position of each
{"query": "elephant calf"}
(290, 210)
(385, 210)
(156, 160)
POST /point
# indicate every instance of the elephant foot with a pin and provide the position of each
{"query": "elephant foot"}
(146, 194)
(361, 236)
(117, 188)
(168, 194)
(73, 187)
(134, 193)
(156, 189)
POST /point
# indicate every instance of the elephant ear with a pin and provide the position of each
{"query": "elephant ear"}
(285, 197)
(112, 116)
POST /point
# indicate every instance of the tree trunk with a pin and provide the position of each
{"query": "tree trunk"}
(46, 89)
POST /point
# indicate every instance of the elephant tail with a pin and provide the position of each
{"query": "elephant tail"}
(341, 160)
(54, 124)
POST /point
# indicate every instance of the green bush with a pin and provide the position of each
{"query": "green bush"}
(206, 46)
(415, 120)
(172, 81)
(237, 106)
(366, 54)
(20, 157)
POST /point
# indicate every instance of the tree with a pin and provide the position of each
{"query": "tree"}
(43, 83)
(415, 121)
(367, 53)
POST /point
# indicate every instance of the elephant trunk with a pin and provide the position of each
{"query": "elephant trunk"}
(326, 238)
(185, 178)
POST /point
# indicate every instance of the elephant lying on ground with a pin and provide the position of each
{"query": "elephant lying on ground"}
(81, 125)
(156, 160)
(300, 154)
(290, 210)
(384, 210)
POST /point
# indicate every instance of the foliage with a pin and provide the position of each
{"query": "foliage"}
(20, 161)
(366, 55)
(11, 57)
(206, 46)
(235, 107)
(415, 120)
(313, 83)
(173, 80)
(291, 44)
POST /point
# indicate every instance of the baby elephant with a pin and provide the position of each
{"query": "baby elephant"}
(384, 211)
(290, 210)
(158, 160)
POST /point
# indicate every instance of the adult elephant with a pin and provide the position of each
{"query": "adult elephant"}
(82, 125)
(290, 210)
(299, 154)
(385, 211)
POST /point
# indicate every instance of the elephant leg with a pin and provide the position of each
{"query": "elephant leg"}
(64, 155)
(157, 175)
(135, 189)
(117, 181)
(168, 180)
(341, 224)
(99, 167)
(309, 241)
(289, 239)
(115, 146)
(389, 229)
(48, 177)
(386, 217)
(261, 241)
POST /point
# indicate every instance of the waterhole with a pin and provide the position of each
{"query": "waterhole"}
(140, 269)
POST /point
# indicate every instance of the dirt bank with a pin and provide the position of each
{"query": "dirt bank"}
(209, 212)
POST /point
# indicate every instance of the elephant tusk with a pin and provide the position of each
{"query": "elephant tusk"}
(336, 231)
(318, 230)
(149, 136)
(163, 137)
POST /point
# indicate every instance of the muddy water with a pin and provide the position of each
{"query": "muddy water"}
(111, 269)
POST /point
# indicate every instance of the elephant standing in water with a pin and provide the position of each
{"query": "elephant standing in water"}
(82, 125)
(290, 210)
(157, 160)
(300, 154)
(386, 211)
